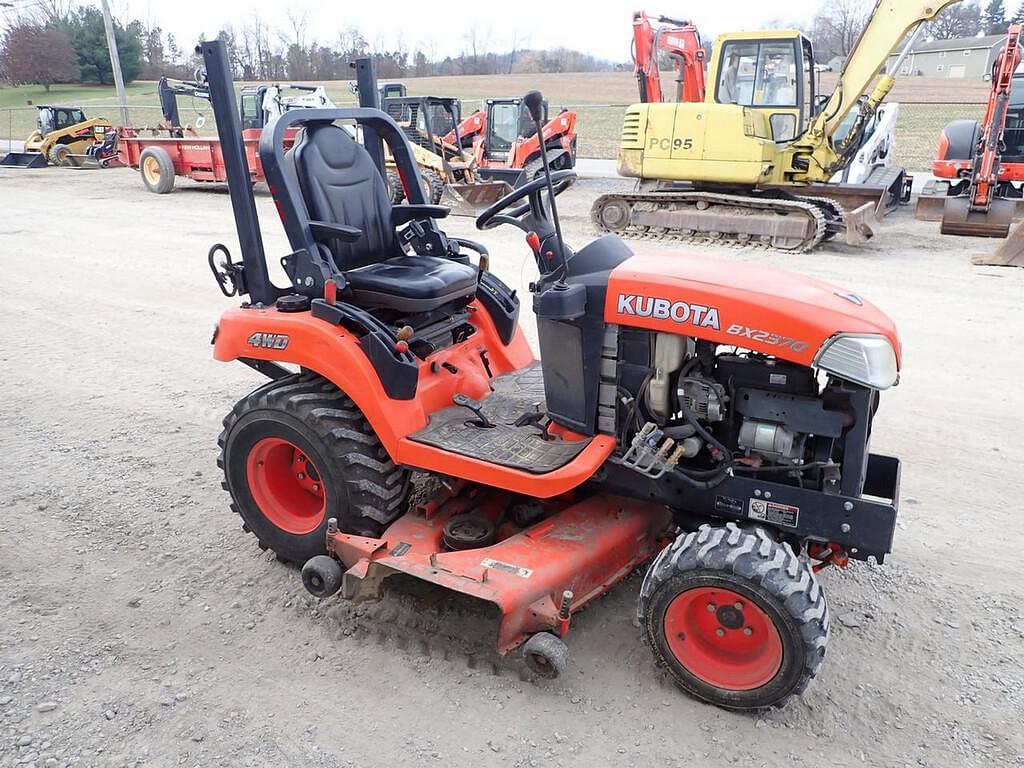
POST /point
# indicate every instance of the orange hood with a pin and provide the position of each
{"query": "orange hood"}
(759, 308)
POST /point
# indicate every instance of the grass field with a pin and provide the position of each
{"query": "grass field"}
(921, 118)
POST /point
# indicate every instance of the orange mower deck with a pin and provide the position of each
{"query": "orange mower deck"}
(537, 576)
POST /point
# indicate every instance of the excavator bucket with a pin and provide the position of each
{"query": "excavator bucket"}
(858, 224)
(24, 160)
(1009, 254)
(471, 199)
(959, 219)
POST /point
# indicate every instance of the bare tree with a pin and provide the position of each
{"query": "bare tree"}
(838, 25)
(960, 20)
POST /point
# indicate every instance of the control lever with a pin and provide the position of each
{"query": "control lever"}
(477, 408)
(534, 419)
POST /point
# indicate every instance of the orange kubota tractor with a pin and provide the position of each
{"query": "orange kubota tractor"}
(506, 143)
(708, 421)
(681, 43)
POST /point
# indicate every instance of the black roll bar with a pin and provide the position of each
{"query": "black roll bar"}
(243, 203)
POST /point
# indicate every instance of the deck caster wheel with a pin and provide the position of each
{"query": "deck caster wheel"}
(735, 617)
(546, 655)
(321, 576)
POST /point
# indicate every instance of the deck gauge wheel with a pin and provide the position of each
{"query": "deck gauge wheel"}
(546, 655)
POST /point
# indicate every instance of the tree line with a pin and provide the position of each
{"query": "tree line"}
(63, 43)
(838, 23)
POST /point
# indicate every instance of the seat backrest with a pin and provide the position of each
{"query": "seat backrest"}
(341, 185)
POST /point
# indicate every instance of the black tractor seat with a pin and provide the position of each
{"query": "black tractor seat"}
(411, 283)
(351, 215)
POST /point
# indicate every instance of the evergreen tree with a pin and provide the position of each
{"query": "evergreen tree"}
(86, 34)
(993, 20)
(1018, 16)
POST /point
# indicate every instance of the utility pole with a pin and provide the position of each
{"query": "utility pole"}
(115, 61)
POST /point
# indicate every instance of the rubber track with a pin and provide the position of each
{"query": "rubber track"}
(810, 210)
(378, 489)
(753, 555)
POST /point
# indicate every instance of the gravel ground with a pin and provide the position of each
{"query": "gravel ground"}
(141, 626)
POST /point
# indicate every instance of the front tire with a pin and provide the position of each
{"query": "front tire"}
(736, 617)
(58, 155)
(433, 186)
(296, 452)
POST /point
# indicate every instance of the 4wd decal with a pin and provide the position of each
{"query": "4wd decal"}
(262, 340)
(766, 337)
(663, 309)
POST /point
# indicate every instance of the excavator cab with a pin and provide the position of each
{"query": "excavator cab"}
(772, 73)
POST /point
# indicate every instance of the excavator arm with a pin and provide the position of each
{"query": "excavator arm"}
(682, 42)
(815, 156)
(985, 176)
(168, 91)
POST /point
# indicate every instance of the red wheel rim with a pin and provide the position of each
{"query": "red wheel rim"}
(723, 638)
(286, 485)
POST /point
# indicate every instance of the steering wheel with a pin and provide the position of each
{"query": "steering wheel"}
(493, 216)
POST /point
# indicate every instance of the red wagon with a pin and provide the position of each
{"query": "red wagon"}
(160, 157)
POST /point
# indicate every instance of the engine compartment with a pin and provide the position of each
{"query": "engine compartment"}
(727, 409)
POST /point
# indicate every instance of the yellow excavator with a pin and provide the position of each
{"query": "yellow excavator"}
(750, 164)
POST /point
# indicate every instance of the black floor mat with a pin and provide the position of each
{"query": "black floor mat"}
(523, 448)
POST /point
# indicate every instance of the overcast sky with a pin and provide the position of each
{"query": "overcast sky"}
(600, 27)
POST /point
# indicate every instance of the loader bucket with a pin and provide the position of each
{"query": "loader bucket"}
(930, 208)
(24, 160)
(959, 219)
(471, 199)
(515, 177)
(858, 224)
(1009, 254)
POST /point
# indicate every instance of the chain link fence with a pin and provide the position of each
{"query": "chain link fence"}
(598, 126)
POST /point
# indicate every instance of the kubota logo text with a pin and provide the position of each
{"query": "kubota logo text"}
(663, 309)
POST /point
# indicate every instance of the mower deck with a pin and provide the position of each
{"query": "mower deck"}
(516, 394)
(586, 548)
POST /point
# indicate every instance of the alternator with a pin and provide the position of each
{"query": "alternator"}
(704, 399)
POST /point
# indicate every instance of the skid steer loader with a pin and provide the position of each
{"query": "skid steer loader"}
(449, 173)
(61, 134)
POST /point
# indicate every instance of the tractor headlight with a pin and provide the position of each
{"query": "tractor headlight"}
(866, 359)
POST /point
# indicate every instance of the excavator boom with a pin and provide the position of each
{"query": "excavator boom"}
(889, 23)
(681, 41)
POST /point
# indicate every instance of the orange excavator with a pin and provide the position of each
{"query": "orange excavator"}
(680, 40)
(505, 143)
(975, 167)
(979, 169)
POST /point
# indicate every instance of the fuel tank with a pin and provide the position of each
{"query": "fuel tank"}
(760, 308)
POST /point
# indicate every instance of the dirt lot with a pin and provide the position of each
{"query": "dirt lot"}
(141, 626)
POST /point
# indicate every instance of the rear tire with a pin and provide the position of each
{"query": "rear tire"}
(736, 617)
(296, 452)
(157, 170)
